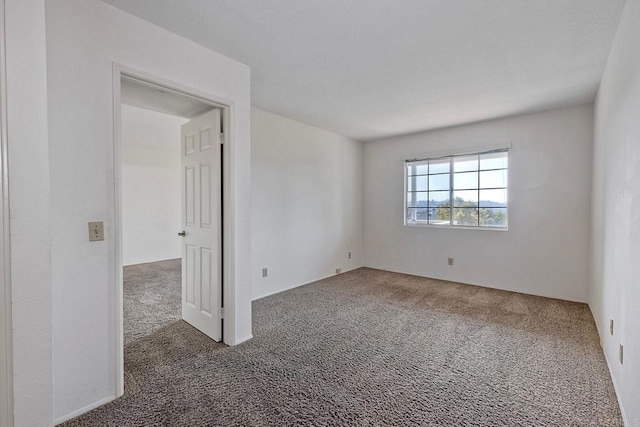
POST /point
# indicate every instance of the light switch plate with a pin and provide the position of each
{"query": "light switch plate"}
(96, 231)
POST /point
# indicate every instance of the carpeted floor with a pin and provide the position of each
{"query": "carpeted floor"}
(152, 298)
(364, 348)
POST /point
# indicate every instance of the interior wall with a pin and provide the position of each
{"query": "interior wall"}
(6, 373)
(150, 185)
(614, 292)
(28, 154)
(84, 39)
(307, 203)
(546, 249)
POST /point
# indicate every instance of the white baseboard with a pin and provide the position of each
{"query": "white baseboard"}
(483, 285)
(613, 380)
(302, 284)
(81, 411)
(615, 388)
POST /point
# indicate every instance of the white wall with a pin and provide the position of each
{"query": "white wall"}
(614, 288)
(29, 211)
(6, 330)
(84, 38)
(307, 203)
(546, 250)
(150, 181)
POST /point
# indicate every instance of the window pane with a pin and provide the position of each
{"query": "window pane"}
(421, 214)
(411, 215)
(493, 198)
(465, 216)
(493, 179)
(465, 163)
(493, 217)
(417, 199)
(439, 216)
(439, 166)
(439, 182)
(438, 198)
(465, 181)
(415, 215)
(417, 183)
(465, 199)
(417, 168)
(493, 161)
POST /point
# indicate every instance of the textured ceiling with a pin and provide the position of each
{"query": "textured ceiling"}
(371, 69)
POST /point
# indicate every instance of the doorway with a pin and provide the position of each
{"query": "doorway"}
(170, 204)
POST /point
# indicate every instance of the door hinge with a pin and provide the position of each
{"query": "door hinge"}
(221, 138)
(222, 312)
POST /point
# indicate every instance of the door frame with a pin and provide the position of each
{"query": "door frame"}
(6, 335)
(228, 242)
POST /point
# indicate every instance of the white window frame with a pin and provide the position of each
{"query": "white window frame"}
(451, 158)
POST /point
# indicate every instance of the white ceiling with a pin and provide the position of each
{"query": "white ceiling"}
(371, 69)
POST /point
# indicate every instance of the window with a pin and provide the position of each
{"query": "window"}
(468, 190)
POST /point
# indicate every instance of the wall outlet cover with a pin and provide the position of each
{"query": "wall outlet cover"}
(621, 354)
(611, 326)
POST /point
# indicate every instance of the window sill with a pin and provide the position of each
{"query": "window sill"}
(457, 227)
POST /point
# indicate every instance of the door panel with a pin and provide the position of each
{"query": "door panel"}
(189, 266)
(205, 196)
(201, 220)
(189, 188)
(206, 279)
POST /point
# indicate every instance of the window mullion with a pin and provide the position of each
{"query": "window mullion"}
(428, 199)
(478, 207)
(451, 191)
(414, 211)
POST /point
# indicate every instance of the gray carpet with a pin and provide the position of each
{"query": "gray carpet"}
(152, 298)
(364, 348)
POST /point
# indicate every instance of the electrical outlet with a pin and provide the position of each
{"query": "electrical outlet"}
(621, 354)
(611, 326)
(96, 231)
(450, 261)
(349, 255)
(265, 272)
(338, 270)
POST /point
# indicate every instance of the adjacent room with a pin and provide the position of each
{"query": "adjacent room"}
(153, 232)
(334, 213)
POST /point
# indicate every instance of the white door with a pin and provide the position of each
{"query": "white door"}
(202, 225)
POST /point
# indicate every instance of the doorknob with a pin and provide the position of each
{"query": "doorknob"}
(182, 233)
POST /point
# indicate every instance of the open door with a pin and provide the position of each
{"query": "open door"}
(202, 224)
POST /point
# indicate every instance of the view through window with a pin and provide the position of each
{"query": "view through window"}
(464, 191)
